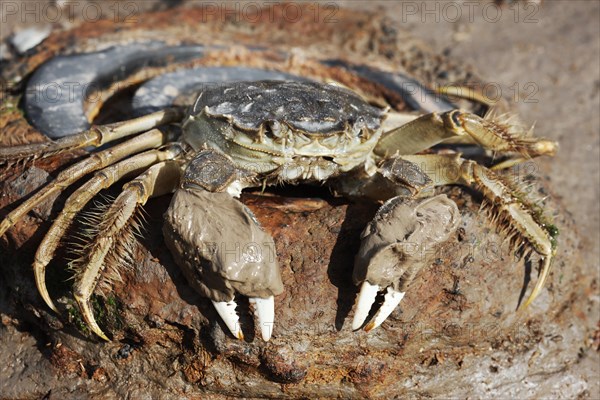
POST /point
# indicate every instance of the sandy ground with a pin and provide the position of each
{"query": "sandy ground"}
(547, 59)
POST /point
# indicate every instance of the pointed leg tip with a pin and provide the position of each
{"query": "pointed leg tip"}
(88, 317)
(101, 334)
(537, 289)
(41, 285)
(526, 304)
(50, 304)
(48, 300)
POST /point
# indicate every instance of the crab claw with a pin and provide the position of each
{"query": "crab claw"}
(366, 298)
(226, 310)
(265, 313)
(400, 241)
(264, 310)
(223, 251)
(391, 300)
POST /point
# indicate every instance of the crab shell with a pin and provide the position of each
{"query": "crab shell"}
(302, 130)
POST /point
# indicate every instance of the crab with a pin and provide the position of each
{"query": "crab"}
(260, 133)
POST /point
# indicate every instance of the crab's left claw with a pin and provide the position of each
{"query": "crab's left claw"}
(223, 251)
(400, 241)
(366, 298)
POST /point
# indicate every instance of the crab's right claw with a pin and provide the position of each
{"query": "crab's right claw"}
(264, 310)
(224, 252)
(395, 246)
(226, 310)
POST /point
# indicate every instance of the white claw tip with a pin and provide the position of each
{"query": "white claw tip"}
(390, 302)
(226, 310)
(366, 298)
(265, 312)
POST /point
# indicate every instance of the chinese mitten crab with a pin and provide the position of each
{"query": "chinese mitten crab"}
(255, 134)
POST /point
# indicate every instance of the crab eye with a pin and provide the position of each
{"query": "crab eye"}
(455, 116)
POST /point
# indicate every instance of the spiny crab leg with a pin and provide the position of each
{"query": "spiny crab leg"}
(96, 161)
(95, 136)
(101, 180)
(520, 216)
(430, 129)
(523, 220)
(157, 180)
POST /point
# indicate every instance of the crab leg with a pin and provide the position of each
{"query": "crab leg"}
(95, 136)
(431, 129)
(526, 221)
(159, 179)
(103, 179)
(96, 161)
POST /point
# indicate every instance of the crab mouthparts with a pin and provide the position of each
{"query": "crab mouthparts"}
(307, 168)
